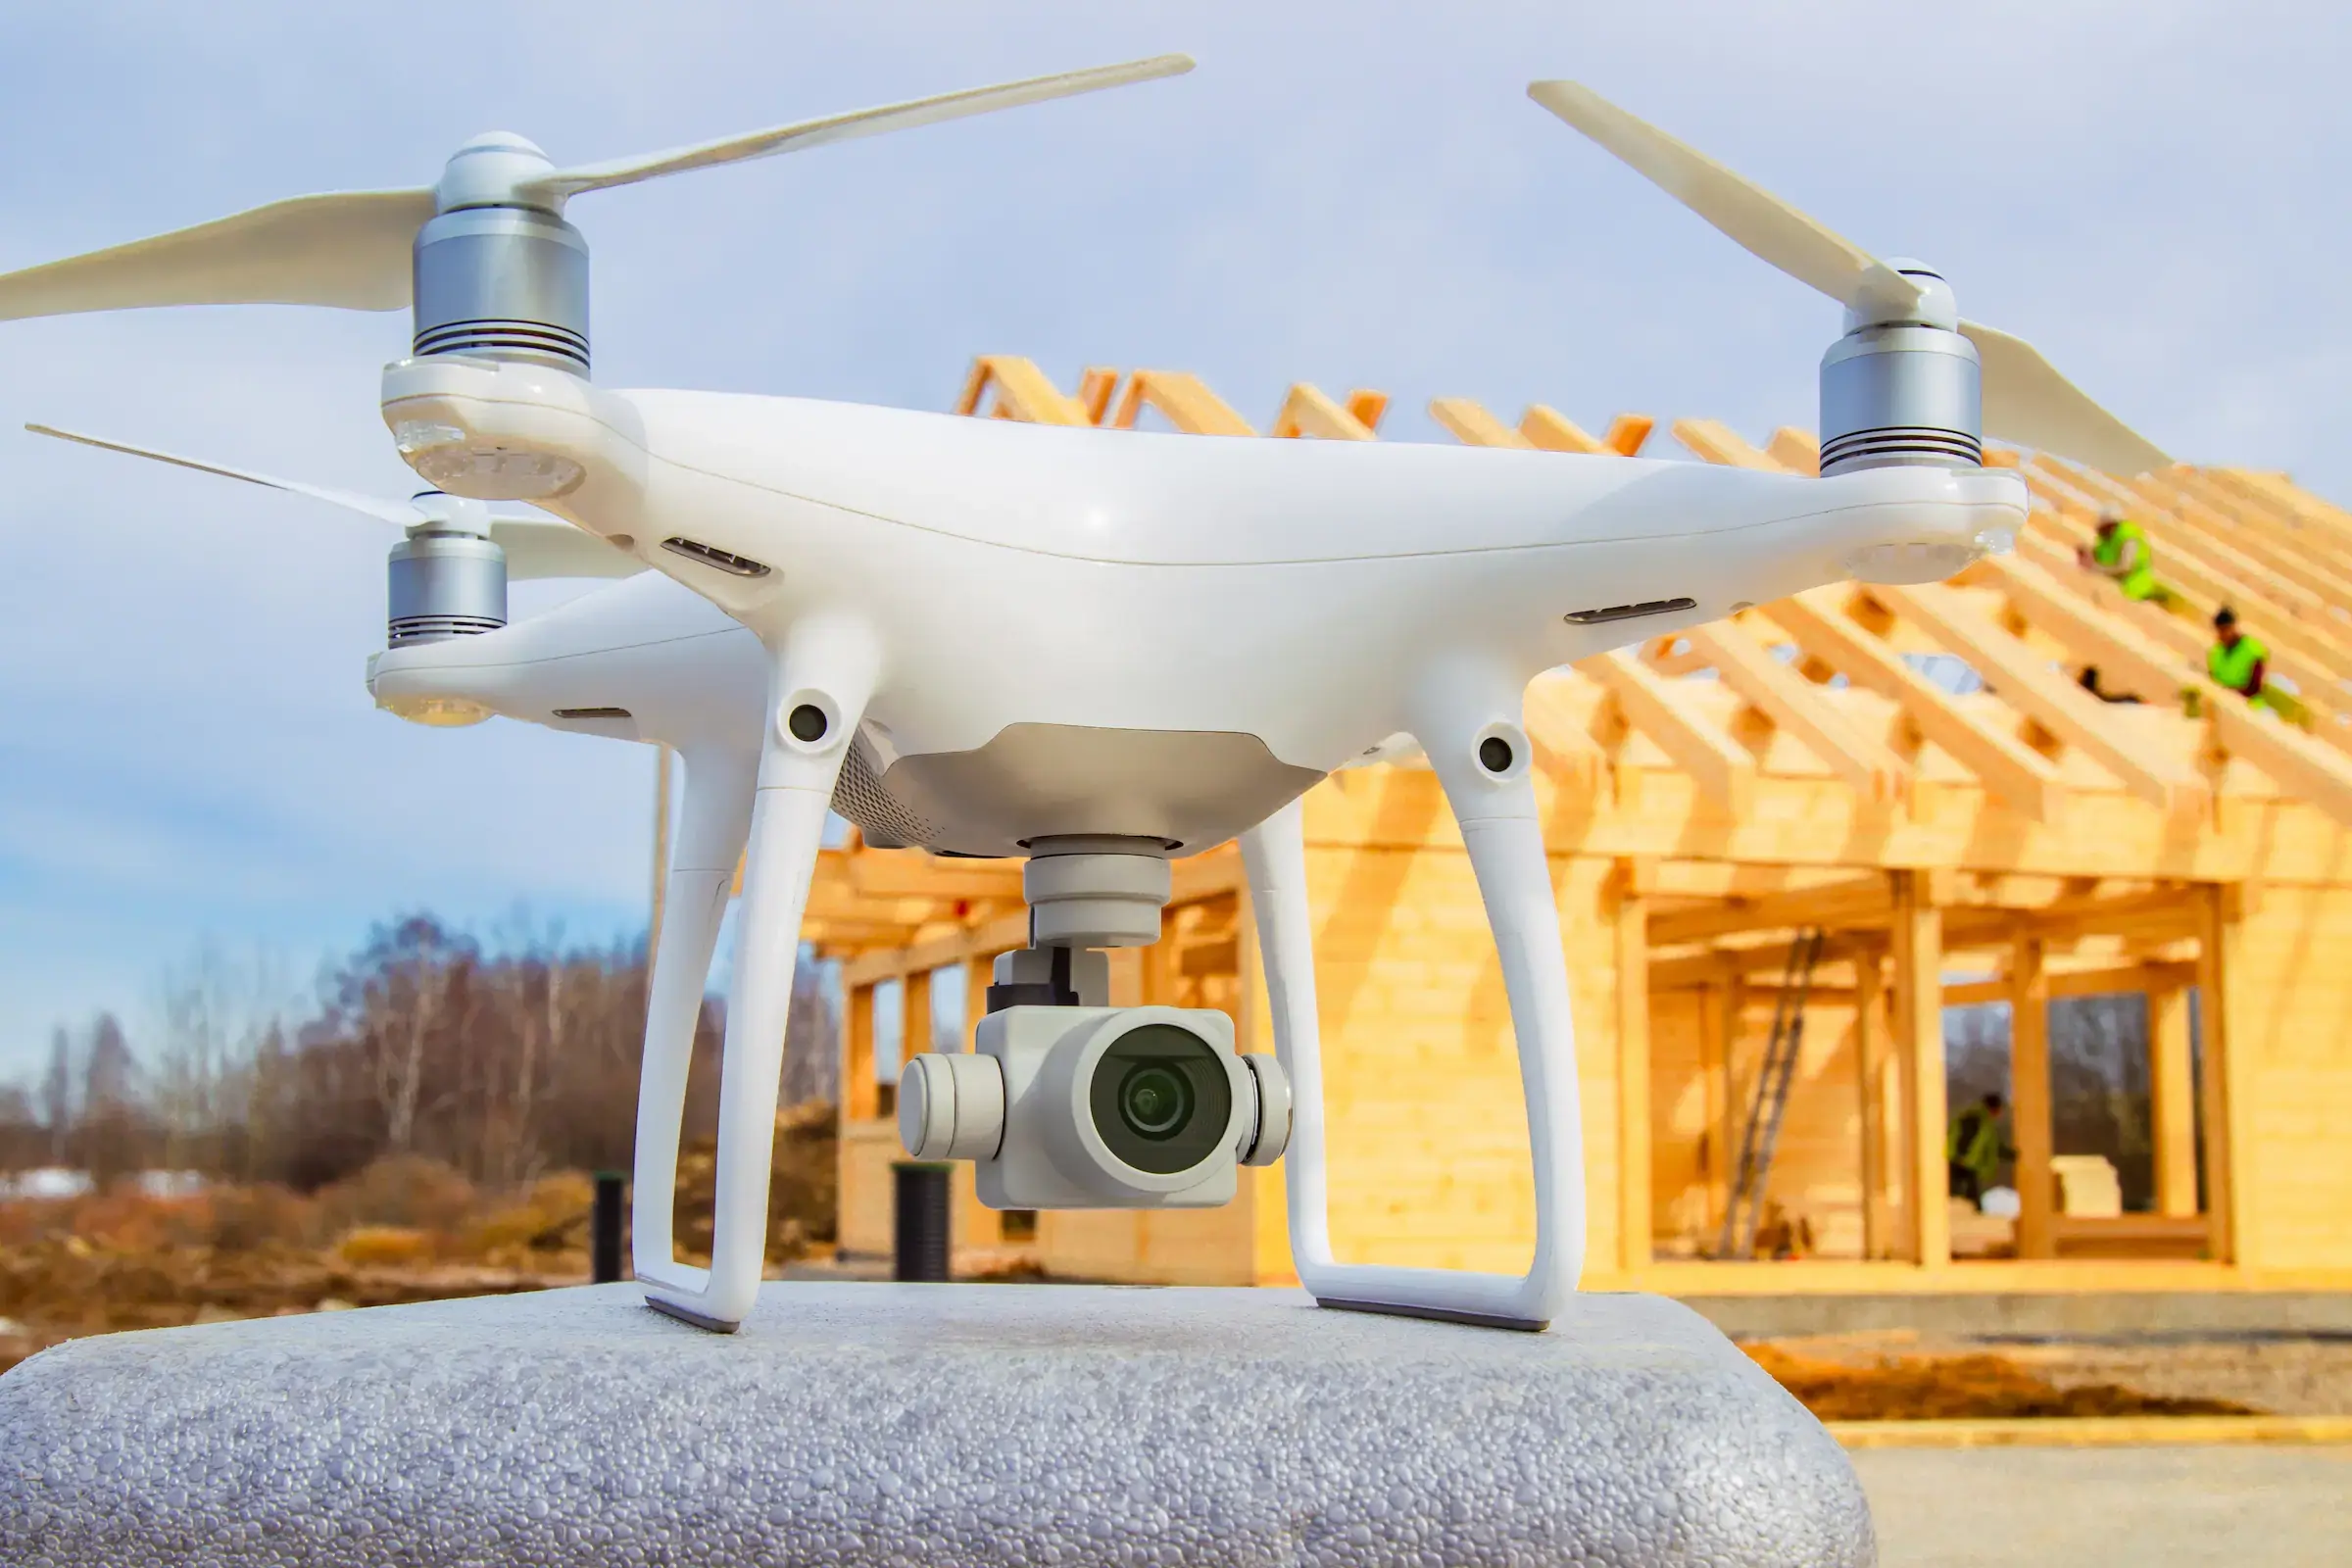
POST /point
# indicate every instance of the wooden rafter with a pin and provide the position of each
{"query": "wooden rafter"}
(1721, 767)
(1803, 709)
(1022, 392)
(1308, 410)
(2026, 781)
(1182, 400)
(1471, 425)
(2049, 699)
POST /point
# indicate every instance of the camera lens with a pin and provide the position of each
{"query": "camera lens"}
(1154, 1100)
(1160, 1098)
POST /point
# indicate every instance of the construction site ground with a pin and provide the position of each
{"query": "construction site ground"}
(2129, 1508)
(1901, 1375)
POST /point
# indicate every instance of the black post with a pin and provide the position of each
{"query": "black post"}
(921, 1235)
(604, 1229)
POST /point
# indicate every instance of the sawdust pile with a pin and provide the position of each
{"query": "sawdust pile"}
(1971, 1386)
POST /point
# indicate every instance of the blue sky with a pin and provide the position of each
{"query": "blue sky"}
(1355, 195)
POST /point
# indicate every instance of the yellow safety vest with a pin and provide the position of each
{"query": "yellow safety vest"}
(2140, 581)
(2233, 667)
(1981, 1150)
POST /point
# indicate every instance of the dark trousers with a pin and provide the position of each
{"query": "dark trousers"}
(1965, 1183)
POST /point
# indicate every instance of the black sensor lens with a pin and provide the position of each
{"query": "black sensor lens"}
(1160, 1098)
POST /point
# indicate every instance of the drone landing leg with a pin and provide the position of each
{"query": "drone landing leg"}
(819, 686)
(1495, 807)
(717, 808)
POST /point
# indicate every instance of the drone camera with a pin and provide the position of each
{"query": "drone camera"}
(1099, 1107)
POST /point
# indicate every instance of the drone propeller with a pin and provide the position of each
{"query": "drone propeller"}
(352, 249)
(2026, 399)
(534, 547)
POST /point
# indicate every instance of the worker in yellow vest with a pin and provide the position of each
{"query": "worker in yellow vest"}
(2124, 555)
(2236, 660)
(1975, 1148)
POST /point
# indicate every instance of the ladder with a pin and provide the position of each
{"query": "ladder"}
(1773, 1078)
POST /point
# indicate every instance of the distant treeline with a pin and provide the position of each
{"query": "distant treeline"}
(501, 1064)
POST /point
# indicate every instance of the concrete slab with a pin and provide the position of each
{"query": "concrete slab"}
(886, 1424)
(2168, 1507)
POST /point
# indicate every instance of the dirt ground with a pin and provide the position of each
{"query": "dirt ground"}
(1904, 1376)
(2156, 1507)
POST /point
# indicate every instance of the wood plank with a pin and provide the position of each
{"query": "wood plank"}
(913, 874)
(1554, 431)
(1863, 901)
(2030, 1098)
(1023, 392)
(1628, 433)
(2263, 590)
(1917, 999)
(1720, 766)
(1096, 385)
(1801, 707)
(2307, 767)
(2190, 572)
(1470, 424)
(1308, 410)
(2223, 1082)
(858, 1091)
(2172, 1100)
(1565, 750)
(1183, 399)
(1874, 1090)
(2025, 780)
(1715, 442)
(1634, 1159)
(2049, 699)
(1797, 451)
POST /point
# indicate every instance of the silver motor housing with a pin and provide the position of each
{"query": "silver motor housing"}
(503, 283)
(1904, 391)
(441, 585)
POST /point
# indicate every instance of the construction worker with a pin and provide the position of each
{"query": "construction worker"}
(2122, 555)
(1975, 1149)
(2236, 660)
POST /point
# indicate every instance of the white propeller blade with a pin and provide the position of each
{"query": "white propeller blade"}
(536, 547)
(541, 547)
(808, 134)
(399, 513)
(2026, 400)
(1767, 228)
(349, 250)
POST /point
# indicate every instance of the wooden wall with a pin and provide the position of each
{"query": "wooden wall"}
(2290, 1032)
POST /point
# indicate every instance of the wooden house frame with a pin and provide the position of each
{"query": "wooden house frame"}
(1796, 768)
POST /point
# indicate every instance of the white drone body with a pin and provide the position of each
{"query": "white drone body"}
(1021, 633)
(1094, 649)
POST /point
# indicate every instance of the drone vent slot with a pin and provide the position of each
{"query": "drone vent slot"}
(712, 555)
(593, 713)
(1648, 607)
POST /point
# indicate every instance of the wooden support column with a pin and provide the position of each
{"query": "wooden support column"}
(1635, 877)
(1918, 1006)
(978, 974)
(1873, 1070)
(1714, 1076)
(2172, 1100)
(2030, 1099)
(857, 1087)
(2218, 1009)
(914, 1033)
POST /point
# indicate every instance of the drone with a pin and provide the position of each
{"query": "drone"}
(1095, 650)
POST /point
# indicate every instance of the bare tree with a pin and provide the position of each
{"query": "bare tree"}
(57, 1094)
